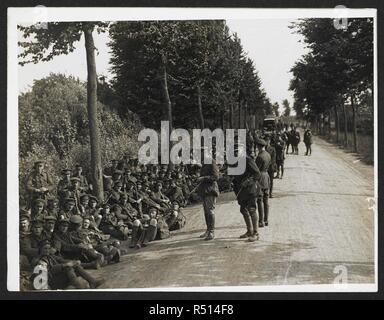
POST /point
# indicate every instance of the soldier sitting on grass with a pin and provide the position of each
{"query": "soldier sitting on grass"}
(63, 273)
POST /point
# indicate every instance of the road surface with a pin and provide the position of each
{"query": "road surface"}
(320, 220)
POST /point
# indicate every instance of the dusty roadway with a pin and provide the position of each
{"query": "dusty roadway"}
(319, 220)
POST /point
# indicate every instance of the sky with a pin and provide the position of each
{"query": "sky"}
(268, 42)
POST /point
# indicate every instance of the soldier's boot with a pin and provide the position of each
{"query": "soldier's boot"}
(254, 219)
(266, 211)
(211, 228)
(134, 236)
(205, 234)
(93, 282)
(248, 223)
(260, 209)
(141, 239)
(150, 235)
(91, 265)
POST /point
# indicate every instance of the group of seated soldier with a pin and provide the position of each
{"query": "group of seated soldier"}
(71, 230)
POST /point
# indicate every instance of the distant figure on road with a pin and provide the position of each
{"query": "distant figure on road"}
(308, 141)
(208, 190)
(295, 135)
(280, 156)
(270, 148)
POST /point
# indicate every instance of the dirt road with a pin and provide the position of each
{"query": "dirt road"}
(319, 221)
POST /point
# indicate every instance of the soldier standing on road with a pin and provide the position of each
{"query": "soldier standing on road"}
(208, 190)
(263, 161)
(308, 142)
(272, 168)
(247, 190)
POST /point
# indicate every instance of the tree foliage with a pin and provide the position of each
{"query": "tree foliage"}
(197, 54)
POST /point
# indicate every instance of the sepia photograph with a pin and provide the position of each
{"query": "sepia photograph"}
(191, 149)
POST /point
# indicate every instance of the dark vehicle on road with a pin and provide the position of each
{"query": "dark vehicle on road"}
(269, 125)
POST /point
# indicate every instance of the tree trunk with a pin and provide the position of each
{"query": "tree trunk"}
(167, 101)
(345, 126)
(354, 120)
(245, 115)
(164, 87)
(231, 116)
(201, 116)
(223, 120)
(96, 167)
(337, 124)
(239, 120)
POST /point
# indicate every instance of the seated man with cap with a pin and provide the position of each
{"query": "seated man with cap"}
(49, 226)
(113, 196)
(29, 243)
(94, 211)
(64, 273)
(159, 197)
(174, 217)
(53, 207)
(108, 172)
(111, 225)
(71, 245)
(64, 185)
(78, 173)
(68, 209)
(38, 209)
(98, 240)
(129, 212)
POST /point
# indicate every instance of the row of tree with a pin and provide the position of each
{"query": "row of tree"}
(197, 69)
(188, 72)
(336, 74)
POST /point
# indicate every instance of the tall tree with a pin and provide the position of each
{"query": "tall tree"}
(287, 108)
(43, 44)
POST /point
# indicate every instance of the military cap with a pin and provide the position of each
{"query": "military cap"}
(76, 219)
(261, 142)
(69, 199)
(38, 162)
(116, 208)
(152, 209)
(64, 171)
(76, 179)
(78, 165)
(84, 196)
(118, 183)
(37, 222)
(63, 220)
(50, 200)
(49, 218)
(106, 205)
(93, 198)
(24, 216)
(39, 201)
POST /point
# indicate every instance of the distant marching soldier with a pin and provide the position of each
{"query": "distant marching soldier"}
(247, 190)
(270, 148)
(308, 142)
(280, 157)
(263, 161)
(39, 183)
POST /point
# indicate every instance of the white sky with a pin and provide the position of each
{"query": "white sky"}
(269, 43)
